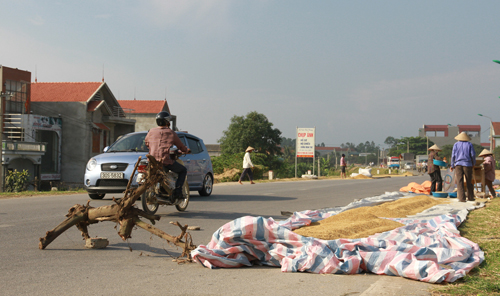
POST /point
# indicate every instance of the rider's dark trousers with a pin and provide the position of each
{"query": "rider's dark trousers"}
(179, 169)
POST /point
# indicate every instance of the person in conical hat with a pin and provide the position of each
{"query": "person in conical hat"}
(247, 166)
(463, 137)
(434, 147)
(484, 153)
(489, 170)
(463, 159)
(433, 170)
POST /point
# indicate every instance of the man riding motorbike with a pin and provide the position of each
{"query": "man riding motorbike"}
(159, 141)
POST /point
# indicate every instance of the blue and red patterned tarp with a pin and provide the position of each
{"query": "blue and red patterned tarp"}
(428, 248)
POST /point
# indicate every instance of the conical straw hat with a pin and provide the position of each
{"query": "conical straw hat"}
(250, 148)
(434, 147)
(462, 137)
(485, 152)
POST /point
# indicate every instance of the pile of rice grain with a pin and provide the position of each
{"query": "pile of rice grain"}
(228, 173)
(365, 221)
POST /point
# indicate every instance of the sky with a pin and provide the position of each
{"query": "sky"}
(357, 71)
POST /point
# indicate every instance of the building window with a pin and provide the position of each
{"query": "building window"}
(434, 133)
(16, 103)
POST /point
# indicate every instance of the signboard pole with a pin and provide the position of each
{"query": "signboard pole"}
(314, 148)
(296, 148)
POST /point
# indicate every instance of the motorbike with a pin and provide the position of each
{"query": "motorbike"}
(161, 194)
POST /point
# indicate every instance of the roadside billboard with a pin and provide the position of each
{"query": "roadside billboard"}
(305, 142)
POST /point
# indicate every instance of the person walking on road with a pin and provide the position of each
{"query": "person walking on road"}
(343, 165)
(247, 166)
(463, 159)
(489, 170)
(434, 171)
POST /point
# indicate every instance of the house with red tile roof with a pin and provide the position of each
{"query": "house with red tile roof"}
(144, 112)
(91, 119)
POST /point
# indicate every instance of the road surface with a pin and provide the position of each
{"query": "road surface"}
(143, 265)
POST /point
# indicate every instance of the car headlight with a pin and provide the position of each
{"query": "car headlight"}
(91, 164)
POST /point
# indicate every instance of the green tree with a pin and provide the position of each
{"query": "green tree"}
(288, 142)
(391, 141)
(417, 146)
(253, 130)
(348, 145)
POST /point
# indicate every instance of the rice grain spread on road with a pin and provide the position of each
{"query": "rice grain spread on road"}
(366, 221)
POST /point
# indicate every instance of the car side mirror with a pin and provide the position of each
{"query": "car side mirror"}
(105, 149)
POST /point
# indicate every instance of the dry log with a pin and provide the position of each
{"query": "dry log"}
(76, 215)
(124, 213)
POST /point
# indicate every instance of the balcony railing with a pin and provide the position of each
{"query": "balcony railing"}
(23, 146)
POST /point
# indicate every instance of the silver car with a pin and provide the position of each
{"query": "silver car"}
(410, 166)
(110, 171)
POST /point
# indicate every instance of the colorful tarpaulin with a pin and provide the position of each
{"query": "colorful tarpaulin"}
(428, 248)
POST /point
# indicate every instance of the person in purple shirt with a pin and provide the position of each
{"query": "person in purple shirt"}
(463, 159)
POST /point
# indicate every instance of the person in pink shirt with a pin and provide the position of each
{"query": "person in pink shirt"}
(343, 165)
(489, 170)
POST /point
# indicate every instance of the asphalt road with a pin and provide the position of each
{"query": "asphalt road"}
(143, 265)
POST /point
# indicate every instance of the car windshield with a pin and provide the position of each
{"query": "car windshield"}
(130, 143)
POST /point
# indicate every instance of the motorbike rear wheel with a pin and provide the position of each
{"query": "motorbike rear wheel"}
(183, 204)
(149, 201)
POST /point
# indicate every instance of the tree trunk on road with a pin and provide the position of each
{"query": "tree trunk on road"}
(124, 213)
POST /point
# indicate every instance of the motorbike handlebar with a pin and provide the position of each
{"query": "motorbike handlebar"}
(179, 152)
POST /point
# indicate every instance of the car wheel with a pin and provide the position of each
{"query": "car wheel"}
(96, 195)
(208, 184)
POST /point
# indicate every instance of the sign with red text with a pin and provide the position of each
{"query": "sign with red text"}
(305, 142)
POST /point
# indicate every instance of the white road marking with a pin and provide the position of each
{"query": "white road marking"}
(5, 225)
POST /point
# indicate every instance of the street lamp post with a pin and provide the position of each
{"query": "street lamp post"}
(491, 131)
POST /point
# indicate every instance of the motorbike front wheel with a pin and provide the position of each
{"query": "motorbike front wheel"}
(149, 201)
(183, 204)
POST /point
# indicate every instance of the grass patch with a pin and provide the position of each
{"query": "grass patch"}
(482, 227)
(39, 193)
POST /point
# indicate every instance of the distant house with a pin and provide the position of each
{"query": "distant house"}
(90, 116)
(445, 134)
(144, 112)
